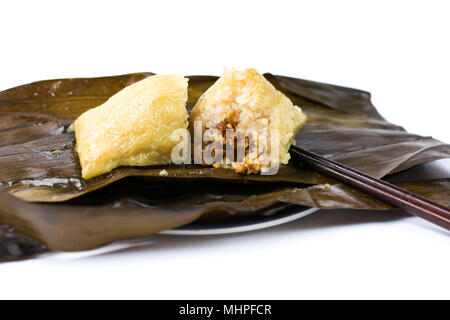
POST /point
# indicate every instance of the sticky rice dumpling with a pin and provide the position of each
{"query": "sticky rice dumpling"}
(244, 101)
(134, 127)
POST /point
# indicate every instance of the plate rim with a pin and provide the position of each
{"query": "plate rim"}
(243, 228)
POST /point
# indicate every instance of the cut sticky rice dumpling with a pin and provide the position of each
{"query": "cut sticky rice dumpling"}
(134, 127)
(245, 102)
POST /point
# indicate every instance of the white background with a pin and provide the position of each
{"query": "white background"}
(399, 51)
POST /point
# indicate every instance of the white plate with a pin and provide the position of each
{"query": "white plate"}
(242, 224)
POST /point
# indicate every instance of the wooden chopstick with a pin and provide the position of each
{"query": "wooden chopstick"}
(389, 193)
